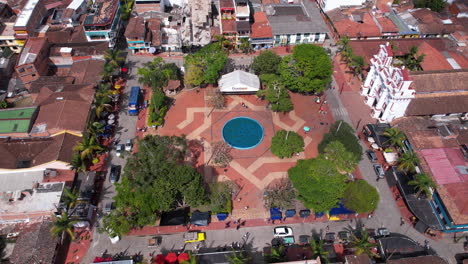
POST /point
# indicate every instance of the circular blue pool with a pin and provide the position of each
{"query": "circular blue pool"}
(242, 133)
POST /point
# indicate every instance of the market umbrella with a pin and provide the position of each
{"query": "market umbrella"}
(171, 257)
(183, 257)
(111, 116)
(159, 259)
(306, 129)
(111, 121)
(375, 146)
(371, 139)
(317, 100)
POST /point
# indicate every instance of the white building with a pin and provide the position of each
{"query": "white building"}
(328, 5)
(387, 88)
(239, 82)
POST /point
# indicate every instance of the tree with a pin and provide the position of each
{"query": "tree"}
(319, 251)
(412, 60)
(309, 69)
(62, 225)
(70, 197)
(158, 108)
(217, 99)
(114, 57)
(3, 104)
(223, 42)
(245, 45)
(77, 163)
(155, 179)
(395, 136)
(434, 5)
(101, 103)
(357, 65)
(266, 63)
(88, 146)
(95, 128)
(407, 161)
(360, 197)
(279, 195)
(126, 7)
(344, 133)
(277, 254)
(205, 65)
(423, 184)
(156, 74)
(107, 71)
(320, 186)
(275, 93)
(221, 153)
(238, 258)
(286, 143)
(362, 245)
(220, 197)
(344, 160)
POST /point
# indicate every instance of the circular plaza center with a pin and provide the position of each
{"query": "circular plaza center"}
(242, 133)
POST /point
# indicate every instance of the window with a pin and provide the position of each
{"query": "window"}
(33, 75)
(96, 37)
(21, 70)
(306, 35)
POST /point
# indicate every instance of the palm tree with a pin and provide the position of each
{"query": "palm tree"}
(88, 146)
(245, 45)
(126, 7)
(408, 161)
(223, 42)
(63, 225)
(357, 64)
(78, 163)
(114, 57)
(102, 104)
(70, 197)
(192, 259)
(95, 128)
(277, 254)
(104, 89)
(423, 184)
(344, 41)
(395, 136)
(412, 60)
(238, 258)
(362, 244)
(319, 251)
(107, 71)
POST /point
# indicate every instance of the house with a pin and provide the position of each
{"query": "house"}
(103, 21)
(306, 18)
(34, 60)
(228, 19)
(35, 244)
(7, 33)
(393, 92)
(239, 82)
(355, 24)
(17, 122)
(328, 5)
(418, 260)
(261, 35)
(242, 19)
(135, 34)
(29, 20)
(73, 12)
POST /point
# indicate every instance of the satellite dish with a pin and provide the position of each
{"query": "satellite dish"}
(152, 50)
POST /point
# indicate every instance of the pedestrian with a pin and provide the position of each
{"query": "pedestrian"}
(228, 224)
(238, 226)
(246, 208)
(402, 221)
(328, 228)
(225, 170)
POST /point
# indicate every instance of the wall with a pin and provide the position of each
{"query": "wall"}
(303, 38)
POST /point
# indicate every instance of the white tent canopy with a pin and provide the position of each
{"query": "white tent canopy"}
(239, 82)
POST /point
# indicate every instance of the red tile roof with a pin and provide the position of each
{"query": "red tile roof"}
(430, 22)
(226, 4)
(386, 24)
(433, 60)
(229, 25)
(353, 29)
(135, 28)
(260, 28)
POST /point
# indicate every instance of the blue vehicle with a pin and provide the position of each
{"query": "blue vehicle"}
(133, 101)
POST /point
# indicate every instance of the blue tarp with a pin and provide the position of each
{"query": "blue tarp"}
(222, 216)
(275, 214)
(340, 210)
(319, 214)
(290, 213)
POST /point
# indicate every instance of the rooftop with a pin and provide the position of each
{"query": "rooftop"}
(305, 17)
(439, 104)
(154, 31)
(103, 14)
(35, 244)
(135, 28)
(446, 165)
(418, 260)
(354, 24)
(19, 181)
(26, 13)
(31, 50)
(429, 82)
(260, 28)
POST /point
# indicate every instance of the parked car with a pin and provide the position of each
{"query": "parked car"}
(128, 145)
(379, 170)
(115, 173)
(119, 149)
(282, 231)
(371, 155)
(108, 207)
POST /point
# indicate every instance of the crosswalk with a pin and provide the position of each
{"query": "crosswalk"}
(341, 111)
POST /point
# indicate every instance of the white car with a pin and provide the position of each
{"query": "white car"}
(119, 149)
(282, 231)
(128, 145)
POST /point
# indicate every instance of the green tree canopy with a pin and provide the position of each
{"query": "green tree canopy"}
(361, 197)
(156, 74)
(266, 63)
(275, 93)
(344, 133)
(286, 143)
(344, 160)
(407, 161)
(155, 179)
(320, 186)
(205, 65)
(434, 5)
(220, 197)
(423, 184)
(309, 69)
(395, 136)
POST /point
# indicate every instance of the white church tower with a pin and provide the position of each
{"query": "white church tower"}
(387, 88)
